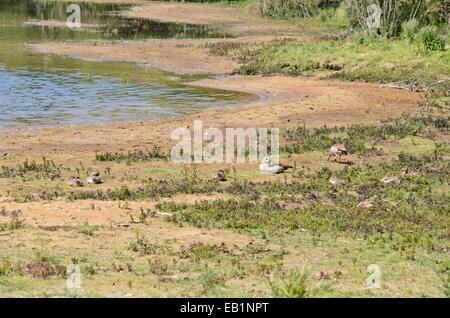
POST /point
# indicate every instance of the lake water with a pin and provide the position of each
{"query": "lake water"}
(38, 90)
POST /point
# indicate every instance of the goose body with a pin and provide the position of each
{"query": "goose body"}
(75, 182)
(390, 179)
(336, 151)
(267, 167)
(366, 204)
(220, 176)
(94, 178)
(409, 173)
(336, 181)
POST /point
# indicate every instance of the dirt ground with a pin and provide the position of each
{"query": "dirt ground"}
(186, 57)
(182, 57)
(285, 102)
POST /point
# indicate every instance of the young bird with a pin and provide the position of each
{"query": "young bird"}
(267, 167)
(336, 151)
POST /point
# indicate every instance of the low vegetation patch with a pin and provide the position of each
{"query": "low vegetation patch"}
(288, 9)
(360, 139)
(293, 284)
(41, 266)
(45, 170)
(407, 213)
(368, 59)
(14, 224)
(137, 155)
(86, 228)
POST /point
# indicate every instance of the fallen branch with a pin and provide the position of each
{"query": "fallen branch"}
(413, 84)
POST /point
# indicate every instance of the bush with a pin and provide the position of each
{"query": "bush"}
(410, 29)
(290, 285)
(86, 228)
(295, 8)
(396, 13)
(429, 39)
(437, 12)
(137, 155)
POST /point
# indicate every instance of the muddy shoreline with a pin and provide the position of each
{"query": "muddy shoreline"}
(283, 100)
(286, 102)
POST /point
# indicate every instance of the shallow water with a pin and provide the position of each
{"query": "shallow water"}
(44, 90)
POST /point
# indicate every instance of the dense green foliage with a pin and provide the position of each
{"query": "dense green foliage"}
(368, 59)
(429, 39)
(395, 13)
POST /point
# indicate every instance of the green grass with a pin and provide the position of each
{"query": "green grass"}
(86, 228)
(361, 139)
(137, 155)
(45, 170)
(407, 215)
(290, 285)
(378, 60)
(15, 224)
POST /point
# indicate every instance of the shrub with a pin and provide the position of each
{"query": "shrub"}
(6, 268)
(429, 39)
(45, 267)
(437, 12)
(395, 13)
(410, 29)
(294, 8)
(444, 275)
(14, 224)
(86, 228)
(143, 246)
(290, 285)
(47, 170)
(137, 155)
(210, 279)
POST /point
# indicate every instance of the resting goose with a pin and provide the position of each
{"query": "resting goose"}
(94, 178)
(267, 167)
(220, 176)
(75, 182)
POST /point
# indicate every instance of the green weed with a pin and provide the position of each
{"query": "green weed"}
(294, 284)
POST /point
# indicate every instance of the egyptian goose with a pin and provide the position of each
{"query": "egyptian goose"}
(267, 167)
(220, 176)
(337, 151)
(94, 178)
(75, 182)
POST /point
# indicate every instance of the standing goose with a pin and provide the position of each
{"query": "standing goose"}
(336, 151)
(267, 167)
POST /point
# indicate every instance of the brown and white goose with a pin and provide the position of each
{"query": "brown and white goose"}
(336, 151)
